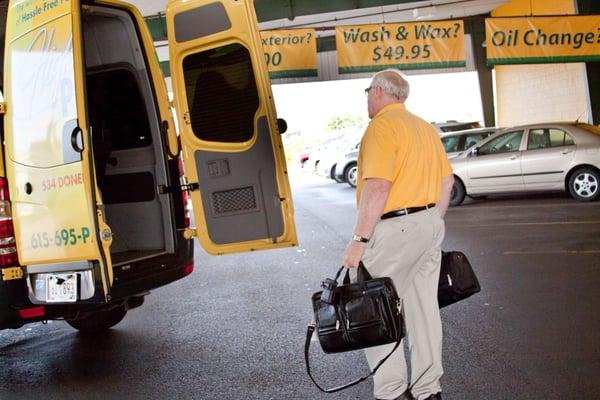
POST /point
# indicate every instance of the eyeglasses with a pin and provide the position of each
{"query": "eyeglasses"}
(367, 90)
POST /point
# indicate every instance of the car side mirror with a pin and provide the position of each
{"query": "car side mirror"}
(281, 125)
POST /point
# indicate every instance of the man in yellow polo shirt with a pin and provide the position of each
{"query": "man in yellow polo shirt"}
(403, 191)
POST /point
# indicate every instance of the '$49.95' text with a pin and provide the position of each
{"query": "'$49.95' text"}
(397, 53)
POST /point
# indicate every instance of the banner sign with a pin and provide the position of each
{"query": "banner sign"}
(542, 39)
(291, 53)
(411, 45)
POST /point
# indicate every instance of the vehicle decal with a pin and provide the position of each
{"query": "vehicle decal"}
(62, 181)
(61, 237)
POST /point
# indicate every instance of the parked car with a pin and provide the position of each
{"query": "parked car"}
(303, 158)
(330, 156)
(317, 154)
(346, 169)
(538, 157)
(459, 141)
(453, 126)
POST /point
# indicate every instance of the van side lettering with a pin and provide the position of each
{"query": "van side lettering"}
(62, 181)
(61, 237)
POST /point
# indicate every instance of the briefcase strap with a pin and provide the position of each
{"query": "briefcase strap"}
(309, 333)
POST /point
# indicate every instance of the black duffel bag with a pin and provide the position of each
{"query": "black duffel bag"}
(457, 278)
(355, 316)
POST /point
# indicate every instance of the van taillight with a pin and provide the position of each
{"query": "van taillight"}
(184, 197)
(8, 248)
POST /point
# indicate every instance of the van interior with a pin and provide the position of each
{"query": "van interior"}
(128, 149)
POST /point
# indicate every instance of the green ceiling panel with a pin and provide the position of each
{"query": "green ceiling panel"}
(158, 27)
(268, 10)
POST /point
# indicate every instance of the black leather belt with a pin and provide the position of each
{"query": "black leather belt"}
(405, 211)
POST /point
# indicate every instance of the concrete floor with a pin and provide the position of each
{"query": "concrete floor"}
(235, 328)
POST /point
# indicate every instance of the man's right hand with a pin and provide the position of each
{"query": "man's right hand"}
(353, 253)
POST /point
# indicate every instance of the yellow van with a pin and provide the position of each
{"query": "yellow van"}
(93, 195)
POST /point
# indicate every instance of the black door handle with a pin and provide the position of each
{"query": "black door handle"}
(77, 139)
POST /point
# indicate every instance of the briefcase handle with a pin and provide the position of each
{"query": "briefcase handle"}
(362, 275)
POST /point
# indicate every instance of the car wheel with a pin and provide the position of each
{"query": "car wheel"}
(458, 193)
(351, 174)
(584, 184)
(99, 321)
(332, 172)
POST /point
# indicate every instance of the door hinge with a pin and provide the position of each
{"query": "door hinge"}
(186, 118)
(190, 233)
(190, 187)
(2, 108)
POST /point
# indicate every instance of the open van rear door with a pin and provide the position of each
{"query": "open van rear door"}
(231, 145)
(48, 156)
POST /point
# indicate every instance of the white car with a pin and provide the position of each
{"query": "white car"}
(563, 156)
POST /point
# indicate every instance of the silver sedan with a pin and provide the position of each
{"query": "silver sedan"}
(531, 158)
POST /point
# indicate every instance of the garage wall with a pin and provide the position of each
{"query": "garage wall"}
(540, 92)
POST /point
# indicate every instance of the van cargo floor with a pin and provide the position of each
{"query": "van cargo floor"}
(134, 255)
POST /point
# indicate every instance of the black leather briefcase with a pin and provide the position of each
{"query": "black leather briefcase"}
(457, 279)
(357, 315)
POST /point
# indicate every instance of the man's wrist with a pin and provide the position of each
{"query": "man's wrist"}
(360, 239)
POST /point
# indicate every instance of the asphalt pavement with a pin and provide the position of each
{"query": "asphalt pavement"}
(235, 328)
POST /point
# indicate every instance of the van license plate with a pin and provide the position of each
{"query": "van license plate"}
(61, 288)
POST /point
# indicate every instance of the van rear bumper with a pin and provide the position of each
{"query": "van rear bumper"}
(142, 277)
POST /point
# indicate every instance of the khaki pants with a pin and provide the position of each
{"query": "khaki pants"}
(407, 249)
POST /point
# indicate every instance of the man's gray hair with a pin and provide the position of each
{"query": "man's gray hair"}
(392, 82)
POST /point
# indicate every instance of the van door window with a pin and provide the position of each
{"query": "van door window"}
(221, 93)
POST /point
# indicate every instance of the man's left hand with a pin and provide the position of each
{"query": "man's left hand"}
(353, 253)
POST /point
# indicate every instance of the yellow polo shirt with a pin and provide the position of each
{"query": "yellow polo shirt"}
(406, 150)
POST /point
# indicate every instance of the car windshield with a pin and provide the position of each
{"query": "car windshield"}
(450, 143)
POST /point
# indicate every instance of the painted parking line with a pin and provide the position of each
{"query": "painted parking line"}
(592, 222)
(552, 252)
(471, 207)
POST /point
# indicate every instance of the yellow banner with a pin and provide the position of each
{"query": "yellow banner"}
(542, 39)
(290, 53)
(411, 45)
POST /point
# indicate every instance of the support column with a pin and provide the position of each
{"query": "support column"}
(476, 28)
